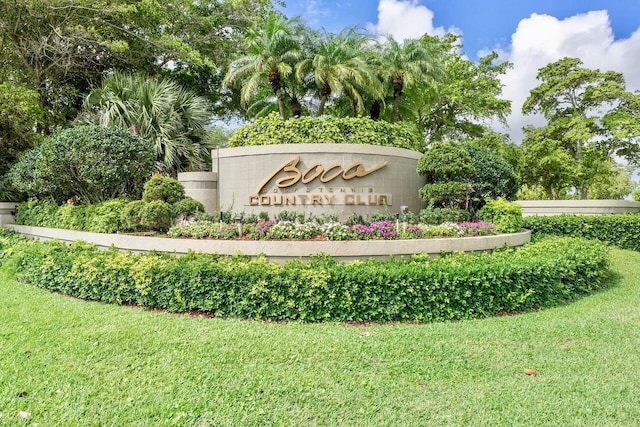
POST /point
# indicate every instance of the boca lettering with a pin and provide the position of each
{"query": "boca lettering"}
(289, 174)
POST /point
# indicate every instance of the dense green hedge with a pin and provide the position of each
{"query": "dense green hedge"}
(337, 130)
(621, 230)
(456, 286)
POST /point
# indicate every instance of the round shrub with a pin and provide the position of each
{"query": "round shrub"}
(106, 217)
(90, 162)
(165, 189)
(131, 215)
(187, 207)
(436, 216)
(156, 215)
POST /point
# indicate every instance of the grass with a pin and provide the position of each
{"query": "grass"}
(69, 362)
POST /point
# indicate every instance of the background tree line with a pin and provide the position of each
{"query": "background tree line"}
(164, 71)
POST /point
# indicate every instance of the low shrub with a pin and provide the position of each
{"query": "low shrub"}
(187, 207)
(621, 230)
(457, 286)
(106, 217)
(165, 189)
(505, 216)
(435, 216)
(156, 215)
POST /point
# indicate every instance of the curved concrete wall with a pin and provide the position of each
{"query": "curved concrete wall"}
(202, 186)
(6, 215)
(577, 207)
(282, 250)
(333, 179)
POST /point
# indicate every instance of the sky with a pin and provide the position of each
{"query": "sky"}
(604, 34)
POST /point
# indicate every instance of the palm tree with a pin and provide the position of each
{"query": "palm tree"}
(160, 111)
(405, 64)
(273, 48)
(337, 67)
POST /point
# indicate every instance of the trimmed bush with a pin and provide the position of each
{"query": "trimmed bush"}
(165, 189)
(187, 207)
(272, 129)
(156, 215)
(621, 230)
(90, 162)
(505, 216)
(457, 286)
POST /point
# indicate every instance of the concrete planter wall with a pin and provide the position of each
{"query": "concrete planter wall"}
(6, 209)
(336, 179)
(282, 250)
(202, 186)
(578, 207)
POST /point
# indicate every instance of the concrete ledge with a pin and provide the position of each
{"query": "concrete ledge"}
(6, 217)
(577, 207)
(281, 251)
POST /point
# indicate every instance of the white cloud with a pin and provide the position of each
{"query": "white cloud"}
(405, 19)
(542, 39)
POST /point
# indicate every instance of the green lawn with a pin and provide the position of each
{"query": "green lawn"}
(69, 362)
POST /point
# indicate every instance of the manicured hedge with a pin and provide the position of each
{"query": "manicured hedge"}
(456, 286)
(621, 230)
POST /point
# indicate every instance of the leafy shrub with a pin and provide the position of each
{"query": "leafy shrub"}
(165, 189)
(131, 216)
(543, 274)
(187, 207)
(505, 216)
(435, 216)
(91, 162)
(106, 217)
(636, 195)
(272, 129)
(37, 213)
(621, 230)
(156, 215)
(491, 177)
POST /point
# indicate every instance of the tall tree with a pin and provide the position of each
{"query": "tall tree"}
(272, 49)
(404, 65)
(337, 67)
(585, 110)
(465, 101)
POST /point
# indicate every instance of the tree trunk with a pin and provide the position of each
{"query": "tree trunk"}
(398, 86)
(274, 81)
(375, 110)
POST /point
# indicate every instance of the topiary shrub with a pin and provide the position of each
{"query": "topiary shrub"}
(505, 216)
(272, 129)
(187, 207)
(163, 188)
(131, 216)
(106, 217)
(92, 163)
(156, 215)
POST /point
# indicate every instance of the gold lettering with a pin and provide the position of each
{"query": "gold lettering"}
(289, 199)
(348, 199)
(290, 175)
(383, 200)
(326, 178)
(316, 198)
(265, 200)
(303, 198)
(315, 169)
(329, 198)
(276, 200)
(253, 200)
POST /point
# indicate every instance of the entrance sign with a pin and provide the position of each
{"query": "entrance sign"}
(336, 179)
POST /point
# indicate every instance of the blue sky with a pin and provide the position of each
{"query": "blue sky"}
(528, 33)
(484, 24)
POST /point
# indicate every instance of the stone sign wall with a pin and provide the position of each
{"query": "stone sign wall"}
(333, 179)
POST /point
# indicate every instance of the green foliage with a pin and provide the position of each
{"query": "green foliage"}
(347, 130)
(165, 189)
(621, 230)
(505, 216)
(491, 177)
(156, 215)
(458, 286)
(106, 217)
(131, 216)
(37, 213)
(436, 216)
(636, 195)
(90, 162)
(187, 207)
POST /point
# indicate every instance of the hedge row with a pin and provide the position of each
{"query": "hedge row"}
(621, 230)
(457, 286)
